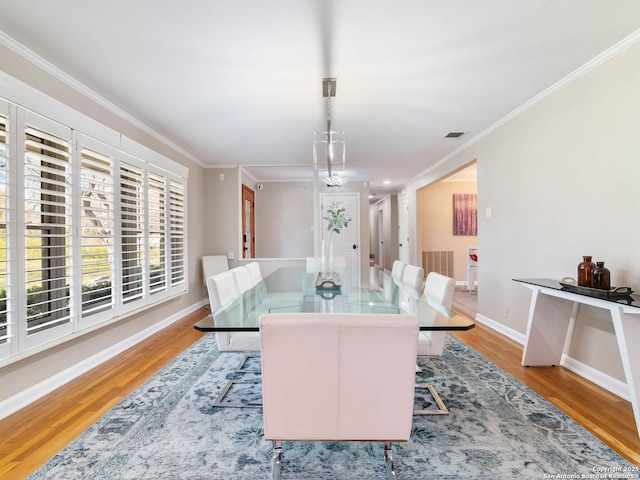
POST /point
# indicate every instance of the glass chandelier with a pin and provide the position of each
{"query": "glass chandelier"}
(329, 146)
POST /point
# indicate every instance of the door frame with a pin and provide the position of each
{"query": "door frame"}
(248, 196)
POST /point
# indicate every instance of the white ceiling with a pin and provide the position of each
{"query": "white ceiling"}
(239, 81)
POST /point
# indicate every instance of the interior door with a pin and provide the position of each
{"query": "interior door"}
(403, 229)
(380, 261)
(248, 223)
(346, 243)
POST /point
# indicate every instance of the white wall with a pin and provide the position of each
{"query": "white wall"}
(284, 220)
(562, 181)
(221, 210)
(55, 364)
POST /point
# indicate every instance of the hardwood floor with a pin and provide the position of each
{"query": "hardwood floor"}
(33, 435)
(36, 433)
(607, 416)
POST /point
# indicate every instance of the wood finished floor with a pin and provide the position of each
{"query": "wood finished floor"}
(30, 437)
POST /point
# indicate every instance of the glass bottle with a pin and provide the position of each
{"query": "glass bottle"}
(584, 271)
(601, 277)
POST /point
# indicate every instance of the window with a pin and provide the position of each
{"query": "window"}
(132, 194)
(4, 228)
(88, 233)
(96, 226)
(157, 196)
(47, 225)
(177, 233)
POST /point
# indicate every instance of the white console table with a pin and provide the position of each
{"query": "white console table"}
(548, 324)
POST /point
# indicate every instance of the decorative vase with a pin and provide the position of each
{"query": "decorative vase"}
(327, 260)
(601, 277)
(584, 271)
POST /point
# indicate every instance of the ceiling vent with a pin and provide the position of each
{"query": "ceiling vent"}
(453, 135)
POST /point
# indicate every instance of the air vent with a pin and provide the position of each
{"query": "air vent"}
(453, 134)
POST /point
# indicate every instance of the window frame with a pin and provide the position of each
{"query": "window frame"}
(19, 343)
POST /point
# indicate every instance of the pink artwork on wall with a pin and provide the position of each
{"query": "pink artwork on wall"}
(465, 214)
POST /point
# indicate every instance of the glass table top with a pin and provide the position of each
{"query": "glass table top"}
(292, 289)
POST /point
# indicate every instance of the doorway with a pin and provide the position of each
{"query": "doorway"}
(248, 223)
(380, 261)
(403, 229)
(442, 248)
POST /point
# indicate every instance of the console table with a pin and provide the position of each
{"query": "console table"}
(548, 325)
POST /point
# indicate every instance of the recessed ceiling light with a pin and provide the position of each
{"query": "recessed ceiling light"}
(387, 182)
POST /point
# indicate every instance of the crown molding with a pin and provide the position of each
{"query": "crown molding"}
(605, 56)
(71, 82)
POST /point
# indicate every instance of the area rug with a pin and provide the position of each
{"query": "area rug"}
(168, 429)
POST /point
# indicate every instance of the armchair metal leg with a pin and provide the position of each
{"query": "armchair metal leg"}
(219, 401)
(388, 458)
(277, 460)
(240, 368)
(443, 410)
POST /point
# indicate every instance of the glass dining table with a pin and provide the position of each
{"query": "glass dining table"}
(293, 289)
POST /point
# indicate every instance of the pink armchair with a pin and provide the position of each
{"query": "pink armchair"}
(313, 385)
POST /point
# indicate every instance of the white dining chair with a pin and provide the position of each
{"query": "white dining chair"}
(223, 292)
(439, 289)
(313, 264)
(212, 265)
(314, 388)
(391, 284)
(410, 288)
(397, 269)
(254, 272)
(243, 278)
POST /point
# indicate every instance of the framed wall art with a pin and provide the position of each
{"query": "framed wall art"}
(465, 214)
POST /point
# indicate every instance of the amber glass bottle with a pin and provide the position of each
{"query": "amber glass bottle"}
(584, 271)
(601, 277)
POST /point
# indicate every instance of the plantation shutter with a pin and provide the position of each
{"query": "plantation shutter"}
(177, 232)
(89, 231)
(6, 318)
(157, 208)
(97, 226)
(132, 215)
(48, 221)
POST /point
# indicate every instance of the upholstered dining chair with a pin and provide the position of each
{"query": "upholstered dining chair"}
(263, 299)
(438, 288)
(391, 284)
(254, 272)
(212, 265)
(223, 291)
(243, 278)
(397, 269)
(410, 288)
(314, 388)
(313, 264)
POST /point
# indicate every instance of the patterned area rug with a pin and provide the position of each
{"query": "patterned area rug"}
(168, 429)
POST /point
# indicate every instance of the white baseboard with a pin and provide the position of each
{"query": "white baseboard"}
(501, 328)
(30, 395)
(607, 382)
(603, 380)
